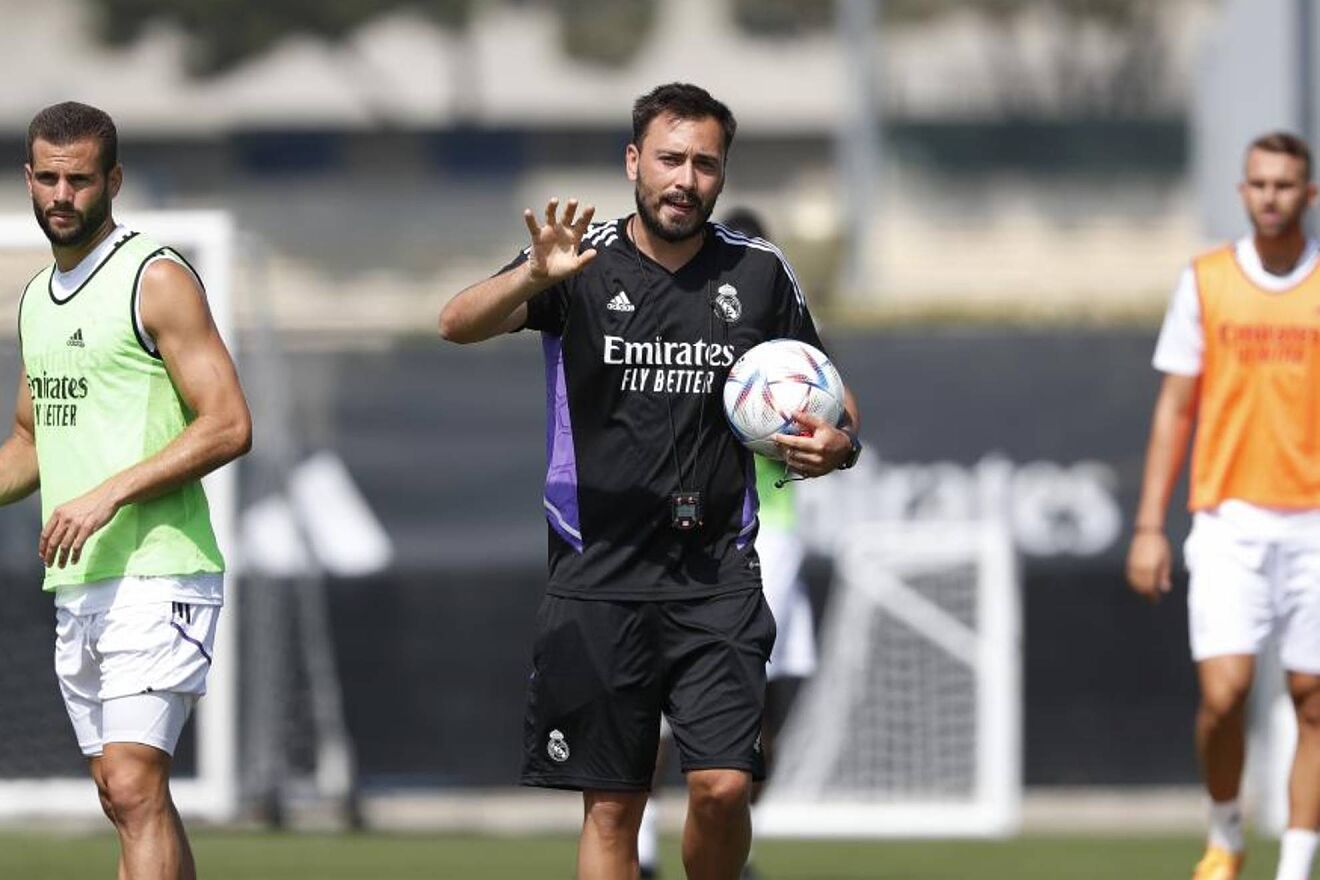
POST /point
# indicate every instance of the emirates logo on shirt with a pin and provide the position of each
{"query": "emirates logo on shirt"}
(662, 366)
(1268, 343)
(55, 399)
(664, 353)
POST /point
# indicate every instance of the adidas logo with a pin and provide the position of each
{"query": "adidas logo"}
(620, 303)
(76, 339)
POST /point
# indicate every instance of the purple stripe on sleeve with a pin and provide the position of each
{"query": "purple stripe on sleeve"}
(561, 499)
(751, 503)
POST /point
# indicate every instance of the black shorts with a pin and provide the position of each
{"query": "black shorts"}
(603, 671)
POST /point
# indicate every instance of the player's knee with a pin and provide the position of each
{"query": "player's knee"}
(1308, 712)
(718, 793)
(107, 805)
(1224, 701)
(616, 816)
(133, 792)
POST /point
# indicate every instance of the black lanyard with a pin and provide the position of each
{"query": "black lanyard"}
(685, 504)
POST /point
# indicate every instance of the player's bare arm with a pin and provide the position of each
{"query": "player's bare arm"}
(822, 447)
(499, 305)
(176, 315)
(18, 454)
(1149, 558)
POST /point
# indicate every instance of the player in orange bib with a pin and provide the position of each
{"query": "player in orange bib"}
(1240, 350)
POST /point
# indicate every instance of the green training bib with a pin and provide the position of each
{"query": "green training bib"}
(102, 401)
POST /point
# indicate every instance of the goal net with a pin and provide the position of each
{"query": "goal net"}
(911, 725)
(41, 770)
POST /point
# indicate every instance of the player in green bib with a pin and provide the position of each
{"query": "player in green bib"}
(128, 398)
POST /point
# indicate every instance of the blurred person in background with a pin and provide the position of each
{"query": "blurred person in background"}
(1241, 356)
(654, 601)
(781, 551)
(127, 398)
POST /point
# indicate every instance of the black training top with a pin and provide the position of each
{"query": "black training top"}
(635, 360)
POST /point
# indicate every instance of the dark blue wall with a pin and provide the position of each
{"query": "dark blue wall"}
(447, 445)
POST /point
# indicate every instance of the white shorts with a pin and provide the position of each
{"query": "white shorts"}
(133, 673)
(794, 653)
(1248, 585)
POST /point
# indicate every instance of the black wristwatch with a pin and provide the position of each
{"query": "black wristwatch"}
(853, 453)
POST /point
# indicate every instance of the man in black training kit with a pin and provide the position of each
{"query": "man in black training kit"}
(654, 600)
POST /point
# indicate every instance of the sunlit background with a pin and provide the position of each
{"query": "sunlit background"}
(987, 202)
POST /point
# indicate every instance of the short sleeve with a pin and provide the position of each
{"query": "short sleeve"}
(793, 318)
(1181, 346)
(547, 311)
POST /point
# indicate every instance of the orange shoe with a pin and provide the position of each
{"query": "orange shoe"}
(1218, 864)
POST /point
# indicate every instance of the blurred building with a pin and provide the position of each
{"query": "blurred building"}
(1034, 163)
(377, 173)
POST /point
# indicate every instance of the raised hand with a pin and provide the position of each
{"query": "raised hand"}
(554, 254)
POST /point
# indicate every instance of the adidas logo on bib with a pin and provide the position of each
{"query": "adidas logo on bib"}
(620, 303)
(76, 339)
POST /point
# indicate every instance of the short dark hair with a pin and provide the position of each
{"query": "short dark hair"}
(67, 122)
(1284, 142)
(685, 101)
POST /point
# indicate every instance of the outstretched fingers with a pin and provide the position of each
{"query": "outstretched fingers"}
(580, 227)
(555, 244)
(571, 220)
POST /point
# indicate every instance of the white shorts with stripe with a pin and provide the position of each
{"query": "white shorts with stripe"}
(131, 672)
(1255, 573)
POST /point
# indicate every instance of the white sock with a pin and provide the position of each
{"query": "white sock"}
(1226, 826)
(1295, 854)
(647, 844)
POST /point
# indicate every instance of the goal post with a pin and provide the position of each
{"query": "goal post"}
(206, 239)
(911, 726)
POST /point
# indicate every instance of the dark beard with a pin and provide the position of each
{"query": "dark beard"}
(88, 224)
(653, 225)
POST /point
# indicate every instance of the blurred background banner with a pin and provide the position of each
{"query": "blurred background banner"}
(449, 624)
(987, 202)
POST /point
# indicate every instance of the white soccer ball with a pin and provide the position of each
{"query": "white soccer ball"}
(773, 380)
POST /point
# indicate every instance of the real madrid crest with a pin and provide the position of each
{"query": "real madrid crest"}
(727, 303)
(557, 747)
